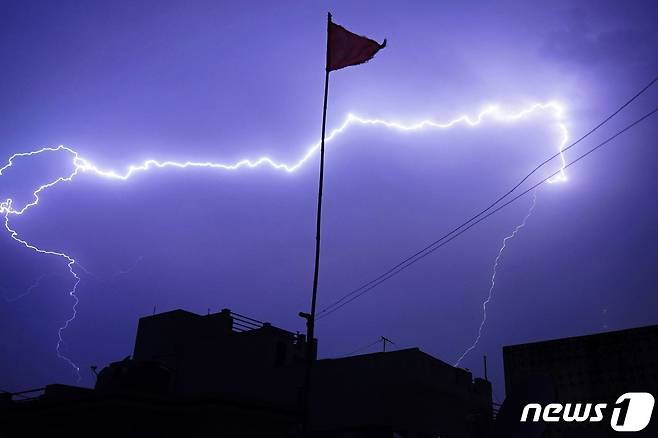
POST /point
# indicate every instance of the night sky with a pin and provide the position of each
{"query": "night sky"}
(121, 82)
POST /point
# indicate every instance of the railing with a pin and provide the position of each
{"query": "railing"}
(495, 408)
(243, 323)
(29, 394)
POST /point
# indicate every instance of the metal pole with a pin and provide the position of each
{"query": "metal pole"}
(311, 318)
(311, 323)
(385, 339)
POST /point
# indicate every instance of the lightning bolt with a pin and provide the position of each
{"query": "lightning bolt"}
(72, 293)
(492, 285)
(28, 291)
(83, 165)
(129, 269)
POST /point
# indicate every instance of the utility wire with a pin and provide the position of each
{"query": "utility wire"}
(365, 347)
(493, 204)
(429, 250)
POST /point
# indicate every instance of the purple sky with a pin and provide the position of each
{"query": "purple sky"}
(121, 82)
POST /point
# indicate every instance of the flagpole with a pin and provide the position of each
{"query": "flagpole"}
(319, 211)
(311, 318)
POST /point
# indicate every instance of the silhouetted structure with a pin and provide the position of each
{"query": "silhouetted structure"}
(407, 392)
(595, 368)
(230, 375)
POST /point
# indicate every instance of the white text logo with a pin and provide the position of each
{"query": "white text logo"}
(631, 412)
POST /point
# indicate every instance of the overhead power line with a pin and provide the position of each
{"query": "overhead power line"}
(494, 203)
(356, 293)
(365, 347)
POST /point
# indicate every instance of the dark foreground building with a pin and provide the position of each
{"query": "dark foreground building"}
(227, 375)
(593, 369)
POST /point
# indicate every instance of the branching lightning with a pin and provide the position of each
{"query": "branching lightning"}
(83, 165)
(129, 269)
(28, 291)
(492, 284)
(70, 262)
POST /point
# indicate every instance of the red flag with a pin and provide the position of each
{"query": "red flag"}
(345, 48)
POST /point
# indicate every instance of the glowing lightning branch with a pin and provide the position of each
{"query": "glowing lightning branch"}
(493, 112)
(496, 265)
(129, 269)
(71, 262)
(29, 290)
(82, 165)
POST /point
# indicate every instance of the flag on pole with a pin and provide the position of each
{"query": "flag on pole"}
(345, 48)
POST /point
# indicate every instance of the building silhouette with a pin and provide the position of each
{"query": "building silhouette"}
(596, 368)
(226, 374)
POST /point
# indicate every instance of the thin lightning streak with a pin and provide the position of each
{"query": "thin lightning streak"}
(72, 292)
(81, 164)
(129, 269)
(496, 265)
(28, 291)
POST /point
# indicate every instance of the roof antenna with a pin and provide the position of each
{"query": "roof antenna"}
(385, 340)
